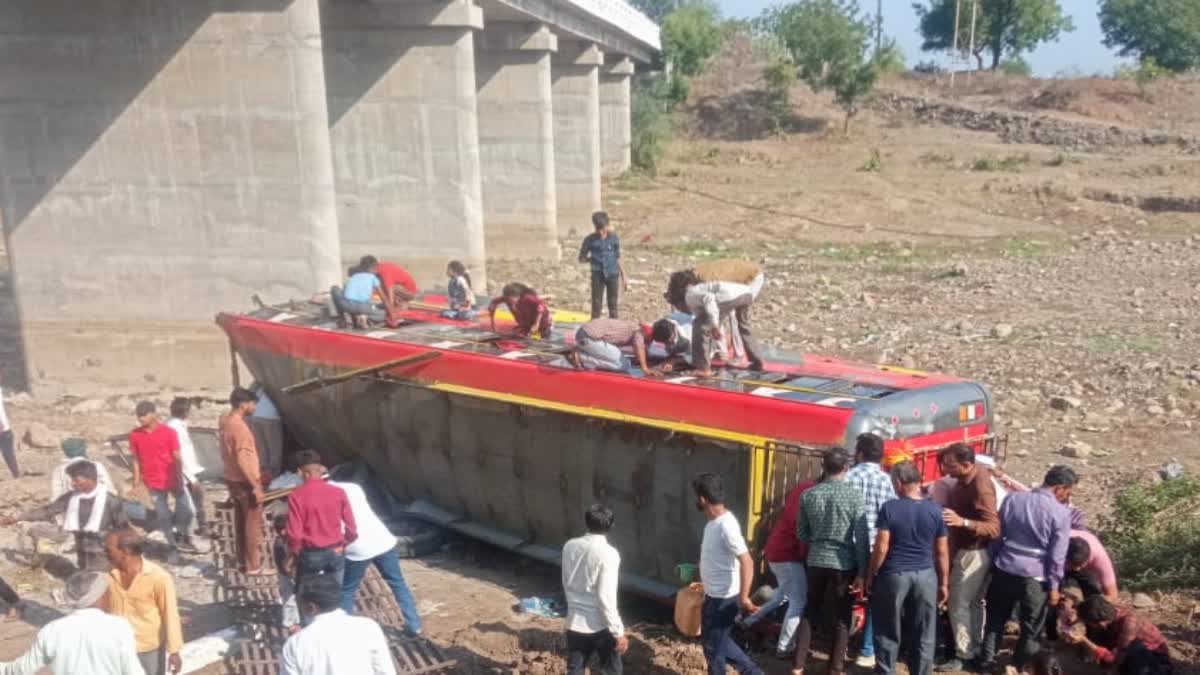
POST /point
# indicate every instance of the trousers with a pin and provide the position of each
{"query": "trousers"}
(8, 449)
(170, 522)
(248, 521)
(793, 589)
(904, 607)
(829, 605)
(603, 285)
(1028, 596)
(969, 572)
(581, 647)
(717, 617)
(388, 565)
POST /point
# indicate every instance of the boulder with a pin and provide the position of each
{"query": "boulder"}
(39, 435)
(1077, 449)
(1065, 403)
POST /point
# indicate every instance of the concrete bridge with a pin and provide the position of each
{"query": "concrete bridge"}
(163, 159)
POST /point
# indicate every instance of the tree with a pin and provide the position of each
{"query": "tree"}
(1002, 27)
(658, 10)
(829, 43)
(690, 35)
(1165, 31)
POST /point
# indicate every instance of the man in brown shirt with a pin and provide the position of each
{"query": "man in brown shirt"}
(973, 520)
(242, 477)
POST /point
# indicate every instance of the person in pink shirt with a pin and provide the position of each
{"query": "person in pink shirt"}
(1086, 557)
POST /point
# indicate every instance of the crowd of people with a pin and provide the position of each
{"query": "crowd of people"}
(884, 548)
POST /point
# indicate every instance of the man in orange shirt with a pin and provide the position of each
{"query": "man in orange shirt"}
(242, 477)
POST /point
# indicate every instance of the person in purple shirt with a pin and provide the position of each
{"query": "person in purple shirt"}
(1028, 563)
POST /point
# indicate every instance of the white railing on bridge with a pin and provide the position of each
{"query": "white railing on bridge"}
(624, 16)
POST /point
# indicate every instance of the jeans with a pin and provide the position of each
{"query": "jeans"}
(868, 639)
(581, 646)
(716, 635)
(829, 604)
(969, 572)
(599, 355)
(460, 314)
(1029, 597)
(169, 522)
(388, 565)
(904, 607)
(793, 589)
(602, 285)
(10, 452)
(316, 562)
(287, 597)
(343, 306)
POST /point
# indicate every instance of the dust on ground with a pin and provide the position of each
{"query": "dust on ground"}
(1032, 267)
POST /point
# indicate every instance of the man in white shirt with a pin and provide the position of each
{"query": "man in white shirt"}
(335, 643)
(88, 640)
(75, 450)
(710, 302)
(727, 572)
(268, 434)
(590, 569)
(189, 464)
(375, 545)
(7, 442)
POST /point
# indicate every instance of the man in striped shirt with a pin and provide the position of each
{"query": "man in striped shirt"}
(876, 488)
(599, 343)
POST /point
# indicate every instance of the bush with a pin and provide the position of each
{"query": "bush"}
(1008, 163)
(690, 35)
(929, 68)
(1016, 66)
(874, 162)
(650, 117)
(1153, 535)
(779, 78)
(890, 58)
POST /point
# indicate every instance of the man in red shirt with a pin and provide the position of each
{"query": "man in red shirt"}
(785, 554)
(155, 448)
(396, 285)
(1121, 639)
(320, 524)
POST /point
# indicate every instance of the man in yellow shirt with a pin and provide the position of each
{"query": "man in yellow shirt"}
(144, 594)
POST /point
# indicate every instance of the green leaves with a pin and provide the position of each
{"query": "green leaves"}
(829, 42)
(1167, 31)
(1002, 27)
(690, 35)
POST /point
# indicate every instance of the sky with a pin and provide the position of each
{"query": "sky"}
(1078, 52)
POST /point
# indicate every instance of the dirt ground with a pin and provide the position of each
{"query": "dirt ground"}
(1056, 268)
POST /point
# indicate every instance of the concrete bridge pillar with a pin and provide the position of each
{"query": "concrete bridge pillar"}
(616, 133)
(516, 140)
(575, 74)
(160, 160)
(402, 114)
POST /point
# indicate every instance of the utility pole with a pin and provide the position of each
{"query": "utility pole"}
(954, 47)
(974, 13)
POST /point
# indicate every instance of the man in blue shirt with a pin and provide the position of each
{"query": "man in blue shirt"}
(355, 300)
(909, 575)
(602, 249)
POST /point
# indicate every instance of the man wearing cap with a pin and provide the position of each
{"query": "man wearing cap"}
(75, 450)
(88, 511)
(144, 594)
(88, 640)
(157, 465)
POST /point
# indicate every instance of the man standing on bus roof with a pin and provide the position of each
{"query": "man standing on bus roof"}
(602, 249)
(714, 291)
(727, 572)
(876, 487)
(971, 514)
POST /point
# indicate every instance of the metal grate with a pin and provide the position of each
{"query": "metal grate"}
(256, 601)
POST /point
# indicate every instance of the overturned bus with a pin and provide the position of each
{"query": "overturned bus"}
(501, 439)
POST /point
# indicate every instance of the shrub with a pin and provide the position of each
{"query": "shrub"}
(1008, 163)
(779, 78)
(874, 162)
(651, 125)
(1016, 66)
(690, 35)
(1153, 535)
(890, 58)
(929, 68)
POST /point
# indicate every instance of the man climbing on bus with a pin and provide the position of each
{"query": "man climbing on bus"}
(599, 343)
(721, 291)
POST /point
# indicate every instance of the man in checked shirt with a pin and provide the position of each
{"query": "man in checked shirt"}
(876, 488)
(598, 346)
